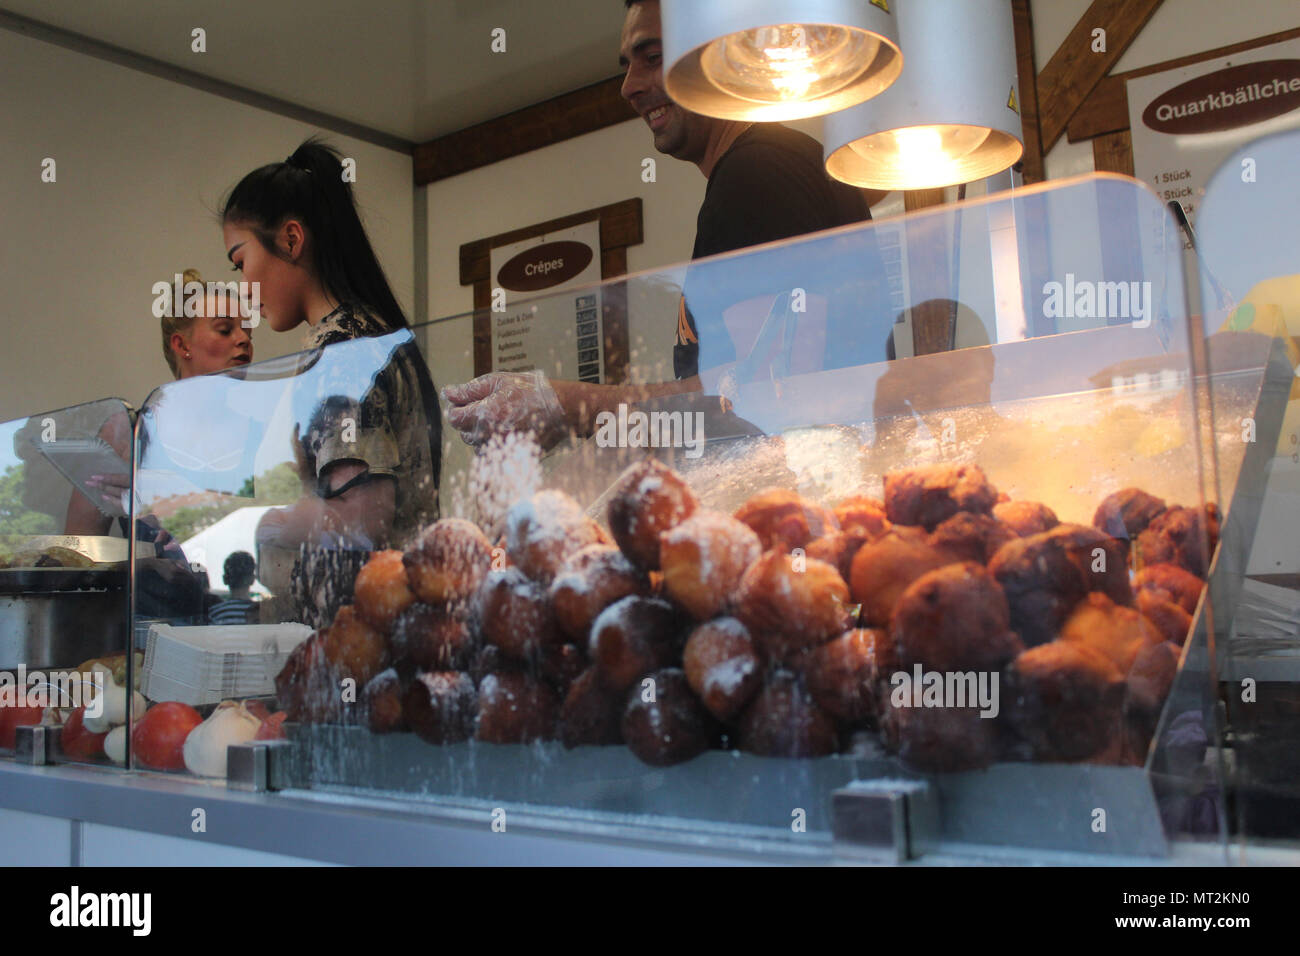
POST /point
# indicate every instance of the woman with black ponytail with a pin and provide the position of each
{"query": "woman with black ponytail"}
(293, 228)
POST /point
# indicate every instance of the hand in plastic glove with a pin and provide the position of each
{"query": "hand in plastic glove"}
(502, 402)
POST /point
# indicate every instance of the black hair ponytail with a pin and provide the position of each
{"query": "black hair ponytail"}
(309, 186)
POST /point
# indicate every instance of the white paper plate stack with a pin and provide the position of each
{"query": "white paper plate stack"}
(206, 665)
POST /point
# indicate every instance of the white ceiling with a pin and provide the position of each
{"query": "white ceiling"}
(415, 69)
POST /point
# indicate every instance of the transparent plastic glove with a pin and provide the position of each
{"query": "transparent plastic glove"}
(502, 402)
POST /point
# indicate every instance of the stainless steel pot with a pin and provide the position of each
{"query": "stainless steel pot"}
(60, 617)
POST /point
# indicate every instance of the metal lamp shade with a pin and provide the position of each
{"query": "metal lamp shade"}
(954, 114)
(768, 60)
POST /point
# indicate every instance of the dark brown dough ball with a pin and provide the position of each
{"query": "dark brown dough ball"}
(649, 499)
(785, 721)
(954, 619)
(837, 549)
(354, 648)
(972, 537)
(929, 495)
(381, 591)
(489, 659)
(448, 562)
(1125, 514)
(307, 687)
(1179, 536)
(783, 519)
(559, 665)
(862, 516)
(883, 569)
(790, 610)
(722, 667)
(1171, 583)
(544, 530)
(1148, 685)
(844, 675)
(592, 713)
(1026, 517)
(633, 637)
(673, 727)
(590, 581)
(940, 739)
(1065, 700)
(382, 703)
(1102, 559)
(513, 708)
(432, 638)
(1118, 633)
(515, 615)
(1173, 623)
(441, 706)
(703, 559)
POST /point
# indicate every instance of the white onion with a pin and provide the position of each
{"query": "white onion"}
(205, 747)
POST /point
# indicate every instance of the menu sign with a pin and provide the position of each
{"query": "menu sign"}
(562, 335)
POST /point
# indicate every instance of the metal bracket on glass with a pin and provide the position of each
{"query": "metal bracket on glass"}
(259, 765)
(34, 745)
(892, 819)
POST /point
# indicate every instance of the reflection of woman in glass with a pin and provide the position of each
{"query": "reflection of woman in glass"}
(212, 341)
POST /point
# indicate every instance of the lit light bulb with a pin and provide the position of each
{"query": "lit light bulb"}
(787, 63)
(930, 154)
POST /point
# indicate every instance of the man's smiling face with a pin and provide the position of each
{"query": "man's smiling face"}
(677, 132)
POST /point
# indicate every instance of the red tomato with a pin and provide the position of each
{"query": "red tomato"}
(11, 718)
(78, 742)
(158, 736)
(272, 727)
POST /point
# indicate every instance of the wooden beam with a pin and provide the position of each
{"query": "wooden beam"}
(564, 117)
(1113, 153)
(1075, 69)
(1106, 108)
(1031, 163)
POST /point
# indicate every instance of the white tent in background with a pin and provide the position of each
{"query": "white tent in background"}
(210, 547)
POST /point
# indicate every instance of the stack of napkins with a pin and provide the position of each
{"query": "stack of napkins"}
(206, 665)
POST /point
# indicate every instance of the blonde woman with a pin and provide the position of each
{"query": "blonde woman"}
(213, 341)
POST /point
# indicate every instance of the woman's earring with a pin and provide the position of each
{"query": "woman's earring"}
(187, 355)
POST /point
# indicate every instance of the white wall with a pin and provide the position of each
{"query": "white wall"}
(142, 163)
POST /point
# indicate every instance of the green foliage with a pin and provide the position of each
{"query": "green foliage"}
(15, 517)
(276, 486)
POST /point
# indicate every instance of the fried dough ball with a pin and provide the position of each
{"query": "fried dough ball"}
(441, 706)
(1026, 517)
(722, 666)
(671, 726)
(954, 619)
(789, 610)
(783, 720)
(514, 614)
(972, 537)
(432, 638)
(542, 531)
(883, 569)
(382, 591)
(649, 499)
(1148, 686)
(1173, 623)
(307, 687)
(590, 581)
(513, 708)
(382, 703)
(940, 739)
(837, 549)
(633, 637)
(862, 516)
(1179, 536)
(1172, 583)
(559, 665)
(929, 495)
(592, 713)
(784, 520)
(1126, 513)
(448, 562)
(703, 559)
(1065, 700)
(1117, 632)
(354, 648)
(843, 675)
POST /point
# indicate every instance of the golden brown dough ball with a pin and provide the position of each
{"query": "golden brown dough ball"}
(590, 581)
(883, 569)
(790, 610)
(862, 516)
(514, 708)
(382, 592)
(1181, 536)
(1126, 513)
(1172, 583)
(703, 559)
(544, 530)
(649, 499)
(432, 638)
(844, 675)
(381, 702)
(1026, 517)
(634, 636)
(972, 537)
(514, 614)
(441, 706)
(783, 519)
(934, 493)
(783, 720)
(1065, 700)
(664, 723)
(954, 618)
(1173, 623)
(837, 549)
(354, 648)
(592, 713)
(448, 561)
(1117, 632)
(940, 739)
(722, 666)
(1148, 686)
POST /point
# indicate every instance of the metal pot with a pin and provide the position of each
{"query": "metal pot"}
(60, 617)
